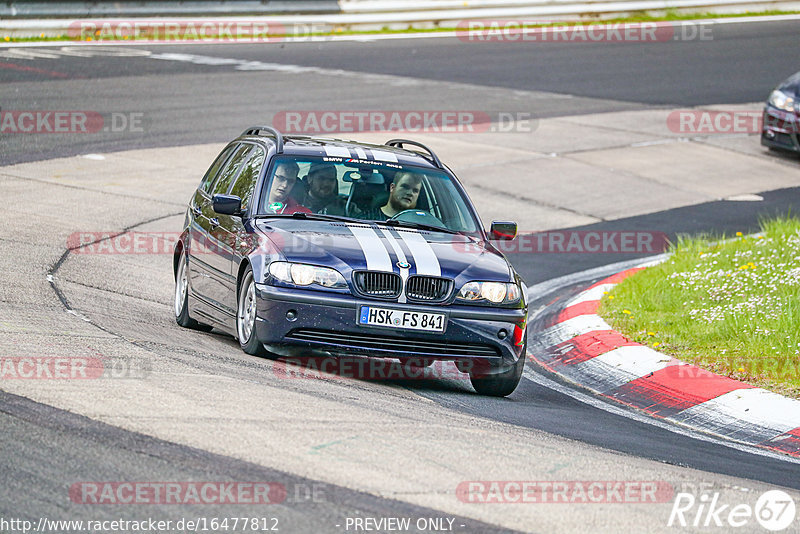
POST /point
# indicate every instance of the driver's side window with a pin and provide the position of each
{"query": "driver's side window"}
(212, 171)
(245, 184)
(231, 170)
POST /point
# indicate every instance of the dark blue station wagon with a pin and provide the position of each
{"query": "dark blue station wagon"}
(312, 246)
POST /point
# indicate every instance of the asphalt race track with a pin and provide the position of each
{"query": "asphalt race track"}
(198, 409)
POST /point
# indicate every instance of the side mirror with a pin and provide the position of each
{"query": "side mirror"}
(227, 205)
(503, 230)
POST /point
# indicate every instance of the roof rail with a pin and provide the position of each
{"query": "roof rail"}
(256, 130)
(398, 143)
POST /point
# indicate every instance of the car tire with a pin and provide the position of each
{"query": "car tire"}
(181, 301)
(499, 385)
(246, 316)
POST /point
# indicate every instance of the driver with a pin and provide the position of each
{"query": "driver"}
(282, 183)
(403, 195)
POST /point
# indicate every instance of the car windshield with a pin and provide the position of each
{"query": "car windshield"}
(366, 190)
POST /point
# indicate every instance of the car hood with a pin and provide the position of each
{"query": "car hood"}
(351, 247)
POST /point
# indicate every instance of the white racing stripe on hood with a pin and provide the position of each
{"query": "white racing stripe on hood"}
(371, 245)
(398, 250)
(360, 153)
(337, 151)
(424, 257)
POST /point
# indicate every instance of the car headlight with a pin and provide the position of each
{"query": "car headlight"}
(781, 100)
(494, 292)
(301, 274)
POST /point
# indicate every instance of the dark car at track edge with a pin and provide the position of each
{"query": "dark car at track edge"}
(395, 263)
(780, 128)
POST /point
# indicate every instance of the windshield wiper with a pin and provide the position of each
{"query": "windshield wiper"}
(339, 218)
(419, 226)
(304, 215)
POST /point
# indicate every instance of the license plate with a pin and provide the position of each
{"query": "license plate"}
(405, 320)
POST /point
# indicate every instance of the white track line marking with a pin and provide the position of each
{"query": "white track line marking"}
(617, 367)
(596, 293)
(755, 406)
(570, 328)
(671, 426)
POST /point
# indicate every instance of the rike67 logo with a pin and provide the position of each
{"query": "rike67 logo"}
(774, 510)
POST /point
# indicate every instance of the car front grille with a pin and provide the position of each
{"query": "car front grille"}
(784, 139)
(428, 288)
(393, 346)
(378, 284)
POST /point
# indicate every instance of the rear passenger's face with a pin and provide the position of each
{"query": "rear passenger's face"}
(322, 183)
(282, 184)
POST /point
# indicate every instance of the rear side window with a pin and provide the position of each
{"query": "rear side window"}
(243, 188)
(212, 171)
(231, 170)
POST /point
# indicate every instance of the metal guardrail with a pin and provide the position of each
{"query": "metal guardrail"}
(81, 9)
(389, 10)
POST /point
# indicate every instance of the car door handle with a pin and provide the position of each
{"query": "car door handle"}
(214, 222)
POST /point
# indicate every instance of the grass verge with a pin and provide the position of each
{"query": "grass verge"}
(731, 306)
(670, 15)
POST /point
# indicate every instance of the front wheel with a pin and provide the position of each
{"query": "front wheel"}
(500, 385)
(246, 316)
(182, 316)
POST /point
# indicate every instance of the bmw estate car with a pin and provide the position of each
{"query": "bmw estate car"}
(300, 245)
(781, 119)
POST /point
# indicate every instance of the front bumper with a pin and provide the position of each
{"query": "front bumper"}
(780, 129)
(327, 323)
